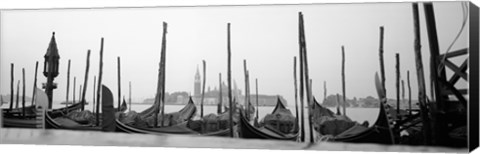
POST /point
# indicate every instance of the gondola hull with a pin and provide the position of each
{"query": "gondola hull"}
(248, 131)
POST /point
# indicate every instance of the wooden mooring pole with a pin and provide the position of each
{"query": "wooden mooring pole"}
(343, 83)
(34, 83)
(23, 92)
(74, 80)
(229, 80)
(409, 94)
(384, 104)
(85, 80)
(220, 94)
(295, 88)
(382, 67)
(68, 83)
(246, 89)
(302, 119)
(80, 94)
(403, 92)
(256, 98)
(248, 96)
(422, 97)
(303, 50)
(18, 94)
(324, 91)
(203, 87)
(129, 96)
(11, 85)
(99, 84)
(94, 92)
(163, 62)
(119, 81)
(397, 83)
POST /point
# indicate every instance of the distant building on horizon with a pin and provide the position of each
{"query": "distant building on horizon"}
(197, 85)
(212, 96)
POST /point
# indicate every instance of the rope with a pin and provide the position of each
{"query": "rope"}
(323, 138)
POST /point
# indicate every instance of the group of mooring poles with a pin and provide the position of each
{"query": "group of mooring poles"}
(96, 86)
(17, 99)
(426, 129)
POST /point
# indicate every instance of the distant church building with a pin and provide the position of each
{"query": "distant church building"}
(197, 84)
(212, 96)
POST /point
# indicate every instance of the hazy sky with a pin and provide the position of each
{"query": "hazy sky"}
(267, 36)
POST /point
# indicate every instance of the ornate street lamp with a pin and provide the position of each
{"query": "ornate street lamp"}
(50, 69)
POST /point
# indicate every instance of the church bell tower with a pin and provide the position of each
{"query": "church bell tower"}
(197, 84)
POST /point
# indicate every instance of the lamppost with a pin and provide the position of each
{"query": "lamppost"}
(50, 69)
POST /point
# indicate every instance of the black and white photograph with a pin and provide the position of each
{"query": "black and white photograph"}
(368, 77)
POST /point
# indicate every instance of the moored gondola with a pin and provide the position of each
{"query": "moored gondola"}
(249, 131)
(379, 132)
(13, 117)
(57, 121)
(185, 114)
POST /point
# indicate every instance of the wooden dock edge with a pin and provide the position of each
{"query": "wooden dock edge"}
(88, 138)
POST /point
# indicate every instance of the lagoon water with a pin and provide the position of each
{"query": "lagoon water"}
(356, 114)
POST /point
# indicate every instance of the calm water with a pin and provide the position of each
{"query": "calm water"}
(356, 114)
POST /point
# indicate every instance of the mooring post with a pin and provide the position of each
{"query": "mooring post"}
(18, 94)
(11, 85)
(338, 104)
(94, 92)
(246, 104)
(99, 84)
(119, 83)
(248, 94)
(68, 83)
(256, 98)
(34, 83)
(397, 83)
(1, 118)
(163, 62)
(130, 96)
(343, 83)
(409, 94)
(79, 93)
(229, 80)
(324, 91)
(422, 98)
(23, 92)
(303, 49)
(203, 87)
(296, 95)
(302, 119)
(85, 82)
(220, 98)
(382, 67)
(403, 92)
(74, 80)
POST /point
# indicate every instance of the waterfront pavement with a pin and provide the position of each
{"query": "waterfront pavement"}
(66, 137)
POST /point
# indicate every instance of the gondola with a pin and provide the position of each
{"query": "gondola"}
(107, 115)
(14, 118)
(380, 132)
(221, 122)
(249, 131)
(186, 113)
